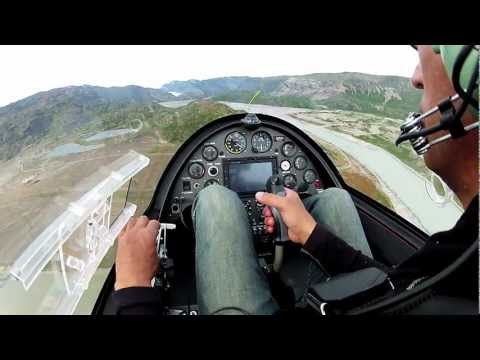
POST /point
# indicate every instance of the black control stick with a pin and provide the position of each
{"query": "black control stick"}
(275, 186)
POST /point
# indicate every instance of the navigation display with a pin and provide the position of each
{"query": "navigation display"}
(249, 177)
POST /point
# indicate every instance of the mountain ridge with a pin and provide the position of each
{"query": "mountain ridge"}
(389, 95)
(61, 111)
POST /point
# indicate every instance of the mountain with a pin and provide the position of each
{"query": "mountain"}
(76, 109)
(87, 94)
(54, 114)
(218, 86)
(391, 96)
(64, 110)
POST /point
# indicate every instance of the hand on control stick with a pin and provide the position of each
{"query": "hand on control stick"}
(298, 220)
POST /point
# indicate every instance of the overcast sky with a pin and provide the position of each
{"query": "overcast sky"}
(26, 70)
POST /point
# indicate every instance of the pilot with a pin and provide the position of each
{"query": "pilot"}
(327, 226)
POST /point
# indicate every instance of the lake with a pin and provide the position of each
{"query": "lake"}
(71, 148)
(109, 134)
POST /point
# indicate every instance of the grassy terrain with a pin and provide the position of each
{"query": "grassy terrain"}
(355, 175)
(181, 123)
(372, 103)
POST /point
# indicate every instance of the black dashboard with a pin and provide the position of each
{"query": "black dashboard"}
(242, 159)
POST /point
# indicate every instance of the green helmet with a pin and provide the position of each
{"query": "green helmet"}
(450, 54)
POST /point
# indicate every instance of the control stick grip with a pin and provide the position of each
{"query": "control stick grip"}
(275, 186)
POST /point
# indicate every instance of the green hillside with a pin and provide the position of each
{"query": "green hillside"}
(374, 104)
(181, 123)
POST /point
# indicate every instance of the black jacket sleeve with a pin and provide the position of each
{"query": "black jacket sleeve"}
(137, 301)
(335, 255)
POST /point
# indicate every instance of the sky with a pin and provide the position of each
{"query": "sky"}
(26, 70)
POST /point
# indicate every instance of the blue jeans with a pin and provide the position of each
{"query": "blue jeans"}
(228, 276)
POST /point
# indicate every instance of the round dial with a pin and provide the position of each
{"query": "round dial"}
(300, 163)
(289, 149)
(309, 176)
(285, 165)
(261, 142)
(196, 170)
(235, 142)
(213, 171)
(210, 182)
(210, 153)
(289, 181)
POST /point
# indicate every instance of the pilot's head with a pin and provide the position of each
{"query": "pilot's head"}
(455, 158)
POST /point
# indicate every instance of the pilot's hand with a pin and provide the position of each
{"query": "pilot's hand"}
(137, 259)
(298, 220)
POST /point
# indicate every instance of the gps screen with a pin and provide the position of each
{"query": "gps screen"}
(249, 177)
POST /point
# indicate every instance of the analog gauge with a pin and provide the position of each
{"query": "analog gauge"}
(213, 171)
(196, 170)
(210, 182)
(285, 165)
(309, 176)
(300, 163)
(289, 149)
(289, 181)
(210, 153)
(261, 142)
(235, 142)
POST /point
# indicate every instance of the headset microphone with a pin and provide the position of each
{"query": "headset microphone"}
(461, 63)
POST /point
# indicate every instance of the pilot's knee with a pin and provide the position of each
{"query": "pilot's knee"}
(215, 193)
(335, 193)
(329, 196)
(215, 197)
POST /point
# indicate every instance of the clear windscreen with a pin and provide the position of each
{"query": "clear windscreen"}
(54, 140)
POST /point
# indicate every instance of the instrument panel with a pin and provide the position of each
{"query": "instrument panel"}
(242, 160)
